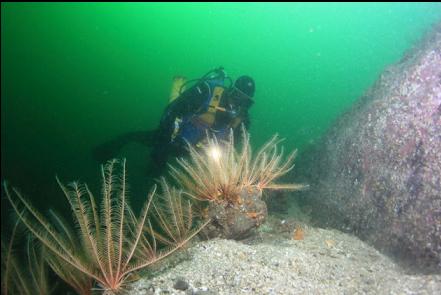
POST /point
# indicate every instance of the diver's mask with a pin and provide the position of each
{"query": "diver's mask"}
(240, 98)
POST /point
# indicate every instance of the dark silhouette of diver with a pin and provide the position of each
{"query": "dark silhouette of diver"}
(213, 104)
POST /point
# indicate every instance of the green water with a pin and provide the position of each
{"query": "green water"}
(76, 75)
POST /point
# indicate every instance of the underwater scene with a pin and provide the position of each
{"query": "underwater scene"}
(220, 148)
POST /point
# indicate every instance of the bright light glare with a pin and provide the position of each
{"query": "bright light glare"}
(215, 153)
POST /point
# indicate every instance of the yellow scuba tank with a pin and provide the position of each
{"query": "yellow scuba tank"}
(178, 82)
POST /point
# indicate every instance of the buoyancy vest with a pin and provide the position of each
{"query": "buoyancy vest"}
(193, 128)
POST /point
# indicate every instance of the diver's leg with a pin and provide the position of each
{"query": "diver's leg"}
(158, 161)
(111, 149)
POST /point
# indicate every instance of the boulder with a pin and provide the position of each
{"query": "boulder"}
(377, 171)
(236, 221)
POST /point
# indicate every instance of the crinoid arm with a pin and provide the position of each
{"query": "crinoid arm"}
(110, 244)
(219, 172)
(26, 274)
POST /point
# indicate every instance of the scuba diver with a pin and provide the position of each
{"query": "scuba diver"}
(213, 105)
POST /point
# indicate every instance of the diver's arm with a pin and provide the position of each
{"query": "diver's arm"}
(246, 121)
(244, 125)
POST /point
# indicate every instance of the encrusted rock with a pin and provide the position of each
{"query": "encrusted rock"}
(236, 221)
(377, 172)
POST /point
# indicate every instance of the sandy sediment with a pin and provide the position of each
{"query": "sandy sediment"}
(323, 262)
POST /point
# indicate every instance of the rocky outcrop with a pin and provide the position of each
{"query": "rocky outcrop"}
(377, 172)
